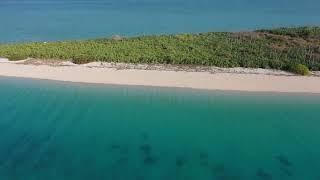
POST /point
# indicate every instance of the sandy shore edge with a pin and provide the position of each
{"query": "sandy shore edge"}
(196, 77)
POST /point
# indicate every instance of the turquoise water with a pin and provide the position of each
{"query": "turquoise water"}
(54, 130)
(45, 20)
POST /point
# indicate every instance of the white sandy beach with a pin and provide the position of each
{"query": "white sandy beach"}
(237, 79)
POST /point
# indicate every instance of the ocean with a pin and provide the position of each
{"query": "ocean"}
(48, 20)
(58, 130)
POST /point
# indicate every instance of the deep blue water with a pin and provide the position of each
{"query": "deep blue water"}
(55, 131)
(45, 20)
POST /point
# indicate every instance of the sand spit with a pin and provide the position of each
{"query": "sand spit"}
(197, 77)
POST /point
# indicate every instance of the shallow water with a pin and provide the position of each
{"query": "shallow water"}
(45, 20)
(54, 130)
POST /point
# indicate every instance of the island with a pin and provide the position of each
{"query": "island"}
(271, 60)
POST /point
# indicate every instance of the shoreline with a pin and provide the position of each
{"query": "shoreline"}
(207, 78)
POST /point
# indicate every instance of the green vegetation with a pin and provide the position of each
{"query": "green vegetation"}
(17, 57)
(302, 32)
(276, 49)
(300, 69)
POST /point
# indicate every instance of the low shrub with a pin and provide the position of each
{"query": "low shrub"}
(303, 32)
(81, 59)
(17, 57)
(300, 69)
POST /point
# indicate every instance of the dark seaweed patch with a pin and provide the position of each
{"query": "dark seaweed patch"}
(204, 163)
(118, 167)
(140, 178)
(145, 136)
(44, 161)
(262, 174)
(124, 150)
(283, 160)
(146, 148)
(123, 160)
(9, 108)
(119, 148)
(33, 145)
(204, 159)
(227, 177)
(180, 161)
(220, 172)
(204, 155)
(286, 171)
(218, 169)
(115, 146)
(15, 145)
(150, 160)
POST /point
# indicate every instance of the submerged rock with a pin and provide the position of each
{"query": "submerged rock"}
(283, 160)
(262, 174)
